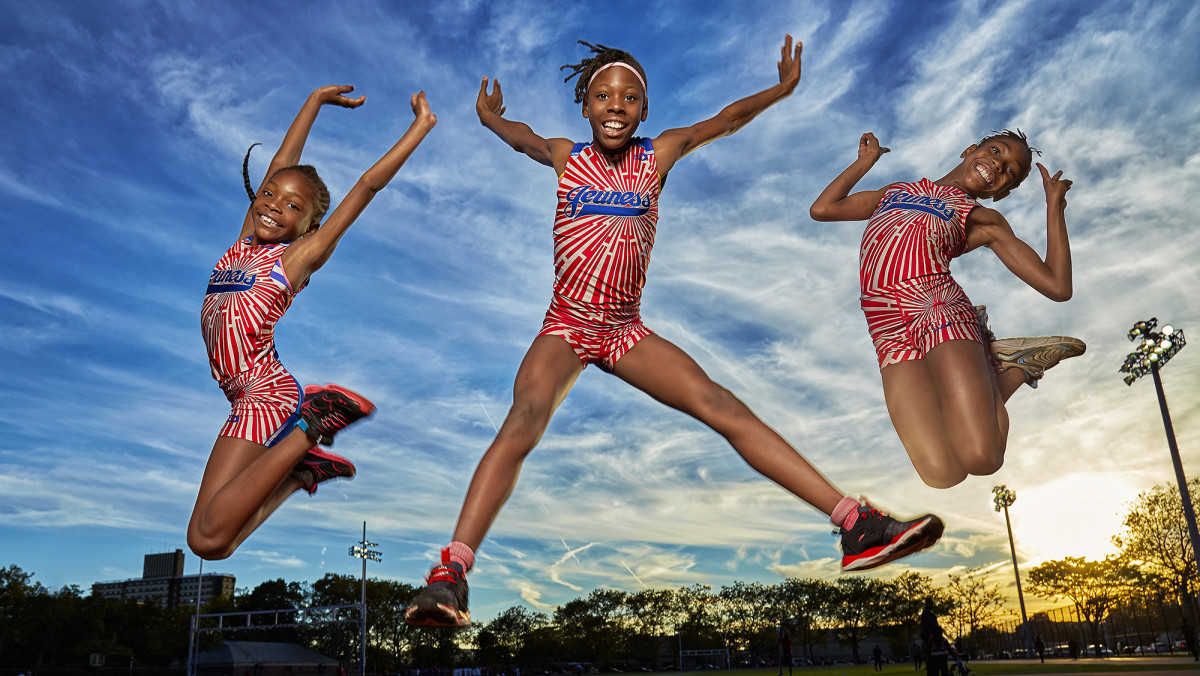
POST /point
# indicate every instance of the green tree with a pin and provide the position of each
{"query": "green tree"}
(1156, 536)
(976, 604)
(744, 609)
(804, 604)
(1095, 587)
(511, 639)
(859, 606)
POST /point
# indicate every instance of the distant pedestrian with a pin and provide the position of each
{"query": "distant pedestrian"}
(937, 657)
(785, 649)
(877, 658)
(1040, 649)
(1073, 648)
(918, 654)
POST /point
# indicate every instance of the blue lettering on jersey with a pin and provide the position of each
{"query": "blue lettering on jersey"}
(230, 281)
(909, 201)
(586, 200)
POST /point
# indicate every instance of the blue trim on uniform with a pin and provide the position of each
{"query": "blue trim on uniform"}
(578, 148)
(294, 421)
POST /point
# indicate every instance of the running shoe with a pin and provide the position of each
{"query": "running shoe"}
(876, 538)
(443, 602)
(1034, 355)
(330, 408)
(324, 466)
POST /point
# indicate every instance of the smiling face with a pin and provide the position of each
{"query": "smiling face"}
(615, 105)
(283, 209)
(993, 167)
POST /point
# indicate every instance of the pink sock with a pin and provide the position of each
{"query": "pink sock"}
(845, 513)
(461, 554)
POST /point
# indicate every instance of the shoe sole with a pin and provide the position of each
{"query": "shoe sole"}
(921, 536)
(1020, 357)
(438, 615)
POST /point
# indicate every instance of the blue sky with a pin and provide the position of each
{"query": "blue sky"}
(124, 126)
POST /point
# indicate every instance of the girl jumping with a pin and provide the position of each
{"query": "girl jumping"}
(604, 226)
(945, 380)
(267, 449)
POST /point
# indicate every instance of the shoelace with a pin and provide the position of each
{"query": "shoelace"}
(443, 573)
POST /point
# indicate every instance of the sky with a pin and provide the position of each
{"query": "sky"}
(124, 126)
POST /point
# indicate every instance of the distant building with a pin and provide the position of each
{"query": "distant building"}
(164, 583)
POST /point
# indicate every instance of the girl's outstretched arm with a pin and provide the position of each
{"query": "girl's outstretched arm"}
(307, 254)
(1050, 277)
(673, 144)
(293, 141)
(835, 203)
(490, 107)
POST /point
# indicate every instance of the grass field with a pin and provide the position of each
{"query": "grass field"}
(997, 668)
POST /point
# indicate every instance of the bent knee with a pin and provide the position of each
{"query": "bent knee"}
(718, 407)
(942, 477)
(209, 548)
(982, 459)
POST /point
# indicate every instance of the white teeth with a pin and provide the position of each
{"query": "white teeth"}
(268, 220)
(613, 125)
(987, 177)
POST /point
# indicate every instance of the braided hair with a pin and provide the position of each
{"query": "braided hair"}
(587, 67)
(1018, 136)
(320, 193)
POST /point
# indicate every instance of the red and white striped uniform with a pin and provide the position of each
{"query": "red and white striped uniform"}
(915, 231)
(247, 294)
(907, 294)
(603, 234)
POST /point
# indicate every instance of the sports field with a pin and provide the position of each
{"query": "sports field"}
(1132, 666)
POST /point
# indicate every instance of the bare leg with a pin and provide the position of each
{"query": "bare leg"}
(243, 484)
(948, 410)
(667, 373)
(545, 377)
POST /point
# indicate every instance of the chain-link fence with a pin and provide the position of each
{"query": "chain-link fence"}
(1150, 628)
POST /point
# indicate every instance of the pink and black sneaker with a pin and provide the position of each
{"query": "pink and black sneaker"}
(323, 466)
(876, 538)
(330, 408)
(443, 601)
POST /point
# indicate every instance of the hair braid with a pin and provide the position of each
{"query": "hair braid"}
(246, 172)
(604, 55)
(1017, 135)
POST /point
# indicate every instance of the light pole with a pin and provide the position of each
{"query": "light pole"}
(363, 551)
(1003, 499)
(1154, 349)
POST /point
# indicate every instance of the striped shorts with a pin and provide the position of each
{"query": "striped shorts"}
(599, 343)
(266, 404)
(910, 319)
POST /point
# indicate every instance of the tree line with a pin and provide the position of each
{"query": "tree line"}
(39, 627)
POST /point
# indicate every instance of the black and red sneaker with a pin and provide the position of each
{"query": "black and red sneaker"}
(330, 408)
(876, 538)
(443, 602)
(323, 466)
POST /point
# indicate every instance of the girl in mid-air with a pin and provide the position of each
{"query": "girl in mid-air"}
(945, 380)
(267, 448)
(604, 224)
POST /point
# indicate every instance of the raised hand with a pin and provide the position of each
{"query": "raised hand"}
(420, 108)
(1056, 187)
(335, 95)
(869, 148)
(493, 103)
(789, 63)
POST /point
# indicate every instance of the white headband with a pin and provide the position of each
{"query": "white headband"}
(622, 64)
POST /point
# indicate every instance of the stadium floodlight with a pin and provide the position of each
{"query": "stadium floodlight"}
(362, 550)
(1154, 349)
(1003, 499)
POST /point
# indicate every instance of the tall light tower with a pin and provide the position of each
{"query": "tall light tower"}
(1003, 499)
(1154, 349)
(363, 551)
